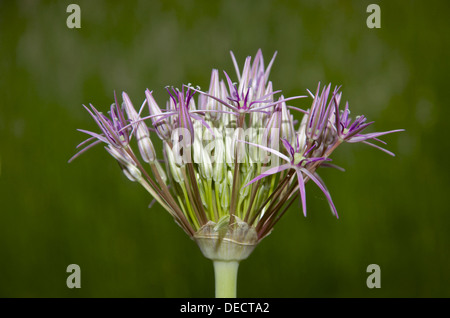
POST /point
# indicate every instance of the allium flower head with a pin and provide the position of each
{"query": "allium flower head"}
(221, 178)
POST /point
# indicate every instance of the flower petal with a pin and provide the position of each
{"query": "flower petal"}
(270, 172)
(322, 187)
(277, 153)
(301, 185)
(378, 147)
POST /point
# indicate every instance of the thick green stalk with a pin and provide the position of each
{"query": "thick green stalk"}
(225, 273)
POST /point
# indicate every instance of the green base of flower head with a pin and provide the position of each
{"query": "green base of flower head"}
(226, 245)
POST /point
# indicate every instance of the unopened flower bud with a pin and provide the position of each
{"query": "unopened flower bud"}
(141, 131)
(230, 179)
(302, 128)
(145, 146)
(161, 171)
(121, 156)
(224, 193)
(219, 161)
(126, 163)
(253, 152)
(245, 190)
(229, 156)
(287, 126)
(182, 146)
(197, 145)
(211, 104)
(132, 173)
(201, 189)
(206, 166)
(262, 192)
(236, 148)
(163, 128)
(174, 169)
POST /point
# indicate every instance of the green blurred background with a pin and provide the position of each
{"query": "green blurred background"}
(393, 211)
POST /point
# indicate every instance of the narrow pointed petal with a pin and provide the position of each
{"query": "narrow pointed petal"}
(95, 135)
(217, 99)
(330, 165)
(301, 185)
(288, 147)
(322, 187)
(269, 172)
(277, 153)
(269, 67)
(84, 149)
(236, 67)
(359, 138)
(275, 103)
(378, 147)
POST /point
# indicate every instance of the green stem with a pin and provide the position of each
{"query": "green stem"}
(225, 273)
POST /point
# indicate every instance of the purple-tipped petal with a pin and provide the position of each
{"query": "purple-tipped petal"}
(359, 138)
(380, 148)
(84, 149)
(301, 186)
(269, 172)
(236, 67)
(322, 187)
(95, 135)
(288, 147)
(217, 99)
(277, 153)
(330, 165)
(276, 103)
(298, 109)
(269, 67)
(323, 184)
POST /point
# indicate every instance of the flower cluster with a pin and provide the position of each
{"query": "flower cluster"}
(232, 160)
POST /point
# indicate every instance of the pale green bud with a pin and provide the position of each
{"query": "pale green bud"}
(220, 167)
(235, 147)
(261, 195)
(161, 171)
(201, 189)
(120, 155)
(256, 120)
(182, 147)
(224, 194)
(197, 148)
(126, 163)
(253, 152)
(245, 190)
(287, 125)
(206, 166)
(229, 156)
(230, 179)
(145, 145)
(174, 169)
(132, 173)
